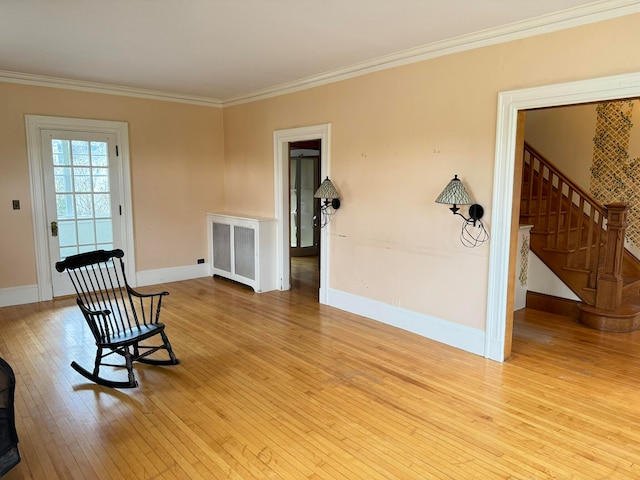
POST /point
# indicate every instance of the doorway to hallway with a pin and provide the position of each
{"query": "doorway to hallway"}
(282, 140)
(304, 180)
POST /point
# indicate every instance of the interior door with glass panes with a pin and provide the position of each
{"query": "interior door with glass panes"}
(81, 195)
(304, 180)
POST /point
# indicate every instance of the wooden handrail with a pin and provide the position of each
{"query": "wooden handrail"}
(557, 172)
(573, 218)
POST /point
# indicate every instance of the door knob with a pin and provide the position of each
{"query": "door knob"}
(54, 229)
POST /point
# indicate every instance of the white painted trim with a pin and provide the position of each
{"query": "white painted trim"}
(19, 295)
(105, 89)
(40, 231)
(453, 334)
(574, 17)
(31, 293)
(509, 104)
(34, 124)
(173, 274)
(281, 140)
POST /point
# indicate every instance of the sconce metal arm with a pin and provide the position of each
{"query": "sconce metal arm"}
(475, 213)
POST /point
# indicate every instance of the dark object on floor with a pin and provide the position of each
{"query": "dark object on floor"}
(9, 455)
(119, 317)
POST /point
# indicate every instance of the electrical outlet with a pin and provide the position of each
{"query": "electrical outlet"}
(201, 260)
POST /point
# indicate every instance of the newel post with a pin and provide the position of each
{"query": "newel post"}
(609, 287)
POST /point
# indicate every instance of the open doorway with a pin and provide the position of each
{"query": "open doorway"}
(595, 148)
(304, 180)
(507, 183)
(281, 141)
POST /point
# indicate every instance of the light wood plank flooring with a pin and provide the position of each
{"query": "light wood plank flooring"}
(277, 386)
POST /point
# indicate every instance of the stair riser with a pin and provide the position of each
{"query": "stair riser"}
(630, 290)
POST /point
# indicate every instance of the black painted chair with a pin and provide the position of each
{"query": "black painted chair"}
(9, 454)
(122, 320)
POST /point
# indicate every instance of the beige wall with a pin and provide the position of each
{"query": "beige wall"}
(398, 136)
(564, 135)
(177, 173)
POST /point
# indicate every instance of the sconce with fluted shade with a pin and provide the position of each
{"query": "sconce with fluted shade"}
(455, 194)
(329, 194)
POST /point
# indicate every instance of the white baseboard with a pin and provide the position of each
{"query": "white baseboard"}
(19, 295)
(459, 336)
(29, 293)
(174, 274)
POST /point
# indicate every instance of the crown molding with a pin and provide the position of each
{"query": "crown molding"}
(574, 17)
(56, 82)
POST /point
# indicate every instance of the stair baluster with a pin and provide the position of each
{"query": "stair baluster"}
(582, 241)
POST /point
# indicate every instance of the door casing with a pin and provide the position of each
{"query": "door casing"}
(34, 125)
(281, 140)
(510, 104)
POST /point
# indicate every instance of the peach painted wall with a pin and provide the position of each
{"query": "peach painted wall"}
(398, 137)
(564, 135)
(177, 172)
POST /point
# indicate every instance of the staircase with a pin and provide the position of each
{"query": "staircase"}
(582, 242)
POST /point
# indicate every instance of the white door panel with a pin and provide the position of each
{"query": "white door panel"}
(82, 198)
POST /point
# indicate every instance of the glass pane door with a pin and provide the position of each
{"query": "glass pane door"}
(308, 167)
(80, 176)
(303, 184)
(82, 196)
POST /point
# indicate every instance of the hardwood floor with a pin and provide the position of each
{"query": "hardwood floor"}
(276, 386)
(305, 276)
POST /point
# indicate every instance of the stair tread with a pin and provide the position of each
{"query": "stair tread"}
(630, 307)
(559, 250)
(576, 269)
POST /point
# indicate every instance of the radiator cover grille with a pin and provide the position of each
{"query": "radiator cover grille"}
(221, 246)
(244, 245)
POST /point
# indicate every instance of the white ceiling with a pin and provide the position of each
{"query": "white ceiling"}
(226, 49)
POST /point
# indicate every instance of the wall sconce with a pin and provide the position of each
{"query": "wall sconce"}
(455, 194)
(328, 192)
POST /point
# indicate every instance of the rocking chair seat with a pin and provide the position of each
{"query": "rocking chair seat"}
(135, 334)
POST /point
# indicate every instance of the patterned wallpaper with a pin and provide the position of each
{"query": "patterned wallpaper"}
(615, 177)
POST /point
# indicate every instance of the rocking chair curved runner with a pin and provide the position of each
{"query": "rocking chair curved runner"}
(120, 318)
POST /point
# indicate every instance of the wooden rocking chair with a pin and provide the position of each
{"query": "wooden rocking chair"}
(119, 317)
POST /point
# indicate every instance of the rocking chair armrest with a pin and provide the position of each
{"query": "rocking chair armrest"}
(98, 313)
(93, 313)
(145, 295)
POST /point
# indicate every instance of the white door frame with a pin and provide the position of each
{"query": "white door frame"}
(34, 125)
(281, 140)
(509, 104)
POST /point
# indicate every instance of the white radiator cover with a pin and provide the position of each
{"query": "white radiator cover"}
(243, 249)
